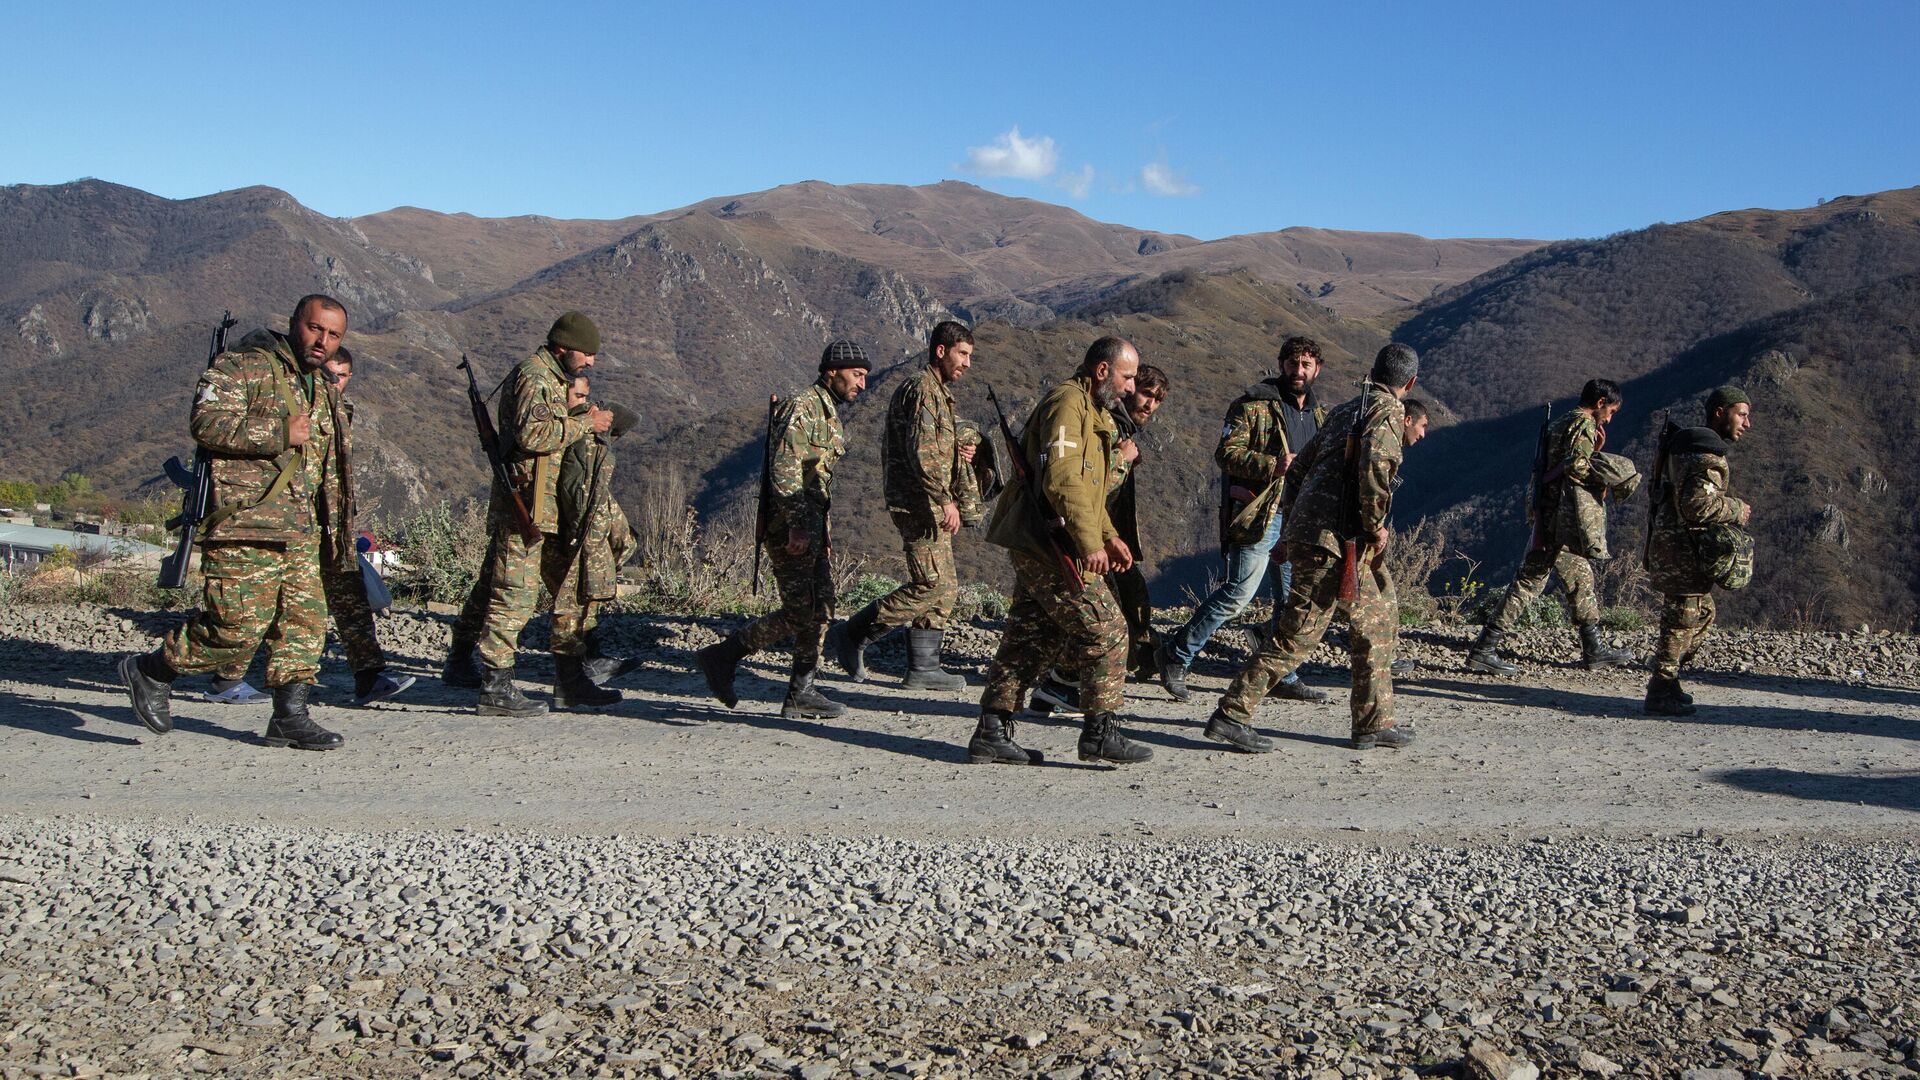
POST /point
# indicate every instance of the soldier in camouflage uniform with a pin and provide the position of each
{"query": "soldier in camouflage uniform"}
(921, 455)
(595, 534)
(1266, 427)
(536, 427)
(1695, 493)
(805, 440)
(269, 420)
(1339, 488)
(1567, 530)
(1059, 610)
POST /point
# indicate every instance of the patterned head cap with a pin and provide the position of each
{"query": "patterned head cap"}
(844, 354)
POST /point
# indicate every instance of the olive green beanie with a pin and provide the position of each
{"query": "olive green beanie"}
(1725, 396)
(574, 331)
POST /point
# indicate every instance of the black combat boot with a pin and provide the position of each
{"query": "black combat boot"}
(858, 632)
(292, 726)
(462, 668)
(718, 663)
(992, 742)
(923, 663)
(1484, 656)
(601, 668)
(1665, 698)
(805, 701)
(149, 679)
(1240, 736)
(1172, 675)
(573, 690)
(1100, 740)
(1392, 738)
(1595, 653)
(499, 697)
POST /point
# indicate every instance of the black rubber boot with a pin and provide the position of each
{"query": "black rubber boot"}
(499, 697)
(292, 726)
(718, 662)
(858, 632)
(1665, 698)
(462, 668)
(1484, 656)
(1100, 740)
(1595, 653)
(992, 742)
(1240, 736)
(1392, 738)
(923, 663)
(149, 681)
(601, 668)
(1172, 675)
(573, 690)
(805, 701)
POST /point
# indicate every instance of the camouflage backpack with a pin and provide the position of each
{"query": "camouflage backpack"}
(1726, 554)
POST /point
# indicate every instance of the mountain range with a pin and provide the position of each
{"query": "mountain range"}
(107, 294)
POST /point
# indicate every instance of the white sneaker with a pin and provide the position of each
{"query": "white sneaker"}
(238, 694)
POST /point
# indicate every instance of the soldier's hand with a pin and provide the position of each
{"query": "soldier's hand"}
(966, 452)
(1129, 452)
(1286, 462)
(1096, 563)
(949, 518)
(299, 428)
(1119, 556)
(1379, 541)
(1745, 513)
(798, 542)
(601, 419)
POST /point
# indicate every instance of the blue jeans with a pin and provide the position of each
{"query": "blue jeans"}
(1246, 569)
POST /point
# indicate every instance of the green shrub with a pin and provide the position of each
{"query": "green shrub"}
(866, 588)
(440, 552)
(1623, 618)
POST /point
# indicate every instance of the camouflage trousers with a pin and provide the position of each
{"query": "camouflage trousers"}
(1576, 576)
(507, 595)
(806, 607)
(346, 594)
(1048, 623)
(1684, 621)
(256, 594)
(927, 599)
(1374, 615)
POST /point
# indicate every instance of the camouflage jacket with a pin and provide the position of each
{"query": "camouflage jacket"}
(920, 450)
(974, 483)
(1571, 442)
(590, 519)
(535, 429)
(1695, 493)
(1253, 443)
(240, 412)
(1069, 443)
(1320, 472)
(807, 439)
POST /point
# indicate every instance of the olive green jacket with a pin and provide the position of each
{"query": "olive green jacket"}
(241, 408)
(1069, 443)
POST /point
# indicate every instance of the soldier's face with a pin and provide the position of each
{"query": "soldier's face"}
(1142, 406)
(575, 361)
(847, 382)
(1118, 383)
(1604, 411)
(953, 361)
(1299, 372)
(341, 371)
(315, 332)
(1733, 421)
(1414, 430)
(576, 394)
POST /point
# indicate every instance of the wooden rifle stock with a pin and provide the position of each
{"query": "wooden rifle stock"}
(490, 443)
(1349, 570)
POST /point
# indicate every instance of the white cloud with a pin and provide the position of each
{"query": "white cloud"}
(1011, 155)
(1159, 179)
(1077, 184)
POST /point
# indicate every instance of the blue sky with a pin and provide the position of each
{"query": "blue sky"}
(1541, 119)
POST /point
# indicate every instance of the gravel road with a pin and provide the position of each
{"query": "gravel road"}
(671, 889)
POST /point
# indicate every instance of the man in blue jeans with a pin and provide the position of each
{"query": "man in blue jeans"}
(1265, 426)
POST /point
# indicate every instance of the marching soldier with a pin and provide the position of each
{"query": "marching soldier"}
(270, 421)
(806, 439)
(1058, 610)
(921, 457)
(598, 538)
(1693, 499)
(1339, 489)
(536, 428)
(1569, 526)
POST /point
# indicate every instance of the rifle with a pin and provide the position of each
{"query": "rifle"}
(1657, 481)
(490, 442)
(1056, 525)
(197, 484)
(1538, 541)
(766, 492)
